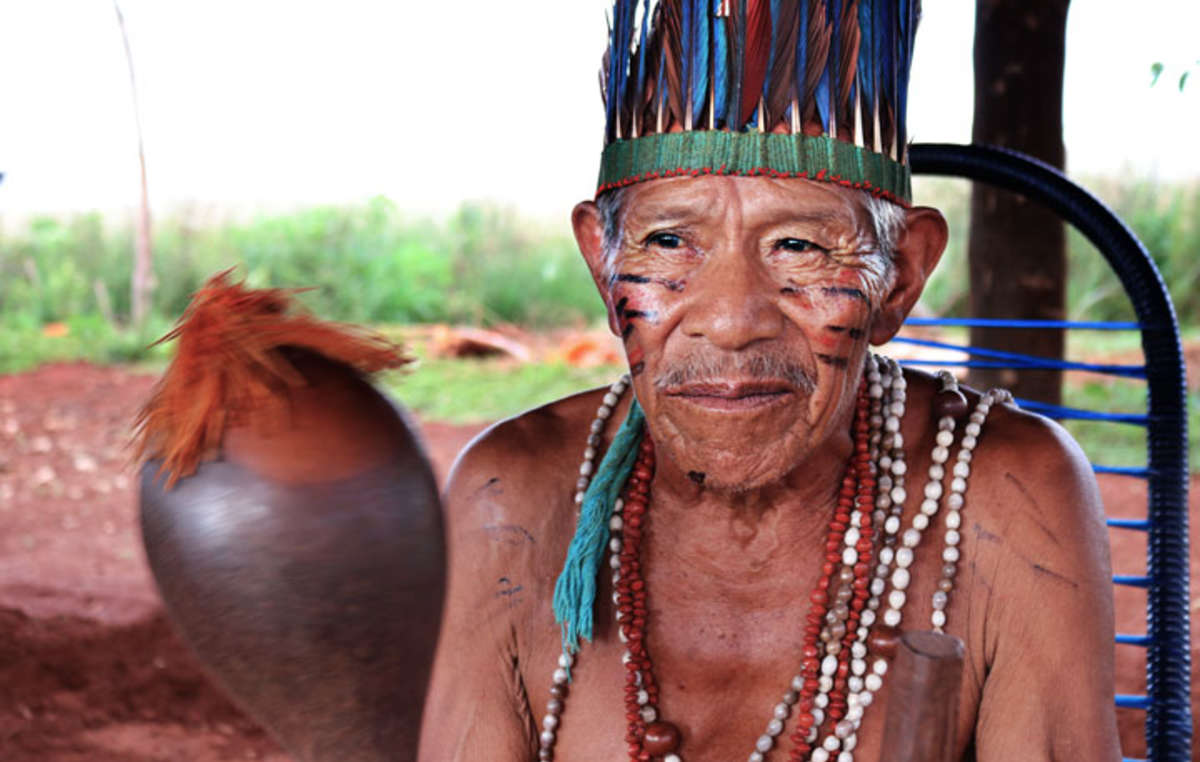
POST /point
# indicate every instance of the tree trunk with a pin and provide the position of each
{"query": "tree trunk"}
(142, 278)
(1017, 249)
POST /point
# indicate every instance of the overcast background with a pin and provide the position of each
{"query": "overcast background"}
(248, 104)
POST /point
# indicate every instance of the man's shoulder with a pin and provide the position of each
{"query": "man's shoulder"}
(520, 466)
(1032, 504)
(1013, 444)
(1027, 457)
(1026, 471)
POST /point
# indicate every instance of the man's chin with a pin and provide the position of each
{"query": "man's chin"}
(738, 486)
(737, 468)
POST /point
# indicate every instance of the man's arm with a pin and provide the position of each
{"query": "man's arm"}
(477, 706)
(1049, 643)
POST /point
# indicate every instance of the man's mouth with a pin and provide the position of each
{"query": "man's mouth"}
(732, 395)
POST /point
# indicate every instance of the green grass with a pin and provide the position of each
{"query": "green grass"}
(475, 391)
(1117, 444)
(89, 338)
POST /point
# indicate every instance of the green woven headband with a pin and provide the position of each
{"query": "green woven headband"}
(721, 152)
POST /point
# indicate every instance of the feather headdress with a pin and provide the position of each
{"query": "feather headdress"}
(788, 88)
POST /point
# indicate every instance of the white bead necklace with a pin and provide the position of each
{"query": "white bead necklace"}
(558, 688)
(904, 556)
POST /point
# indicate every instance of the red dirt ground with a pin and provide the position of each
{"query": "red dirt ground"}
(89, 668)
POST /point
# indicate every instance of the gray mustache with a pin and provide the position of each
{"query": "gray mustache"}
(759, 366)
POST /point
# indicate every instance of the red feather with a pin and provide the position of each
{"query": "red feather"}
(820, 35)
(649, 98)
(758, 54)
(672, 38)
(783, 67)
(847, 66)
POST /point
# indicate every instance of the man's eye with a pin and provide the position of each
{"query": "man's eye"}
(664, 240)
(796, 244)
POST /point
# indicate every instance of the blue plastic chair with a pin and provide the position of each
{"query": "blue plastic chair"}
(1167, 705)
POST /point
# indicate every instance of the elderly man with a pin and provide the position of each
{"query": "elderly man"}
(778, 504)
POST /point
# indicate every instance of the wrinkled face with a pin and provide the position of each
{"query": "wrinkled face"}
(745, 306)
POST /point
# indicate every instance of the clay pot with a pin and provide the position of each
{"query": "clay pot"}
(306, 566)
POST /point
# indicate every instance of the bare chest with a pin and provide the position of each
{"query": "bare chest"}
(722, 671)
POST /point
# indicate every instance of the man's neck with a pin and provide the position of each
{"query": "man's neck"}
(751, 528)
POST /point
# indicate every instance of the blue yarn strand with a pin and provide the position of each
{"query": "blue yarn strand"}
(575, 591)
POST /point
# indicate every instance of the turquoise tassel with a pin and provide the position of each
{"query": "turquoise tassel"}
(575, 591)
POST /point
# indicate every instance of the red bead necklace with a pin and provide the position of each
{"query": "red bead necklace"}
(830, 625)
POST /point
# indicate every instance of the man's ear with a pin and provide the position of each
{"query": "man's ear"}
(589, 235)
(917, 252)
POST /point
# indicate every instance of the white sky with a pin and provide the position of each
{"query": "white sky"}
(257, 102)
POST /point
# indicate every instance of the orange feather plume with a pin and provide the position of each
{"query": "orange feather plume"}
(230, 369)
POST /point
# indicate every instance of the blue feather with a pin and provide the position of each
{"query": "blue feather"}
(720, 67)
(610, 104)
(827, 90)
(640, 85)
(660, 90)
(887, 66)
(685, 73)
(821, 96)
(867, 58)
(801, 59)
(904, 42)
(698, 37)
(766, 88)
(624, 33)
(733, 116)
(853, 84)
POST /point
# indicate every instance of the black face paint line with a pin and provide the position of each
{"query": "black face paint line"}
(648, 315)
(624, 314)
(850, 291)
(667, 283)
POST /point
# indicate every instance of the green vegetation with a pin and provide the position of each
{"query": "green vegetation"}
(476, 391)
(371, 263)
(1165, 217)
(1122, 444)
(366, 264)
(64, 289)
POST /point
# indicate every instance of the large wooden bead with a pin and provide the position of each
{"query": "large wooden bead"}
(661, 738)
(883, 641)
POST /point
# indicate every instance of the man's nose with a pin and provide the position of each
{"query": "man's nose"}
(733, 302)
